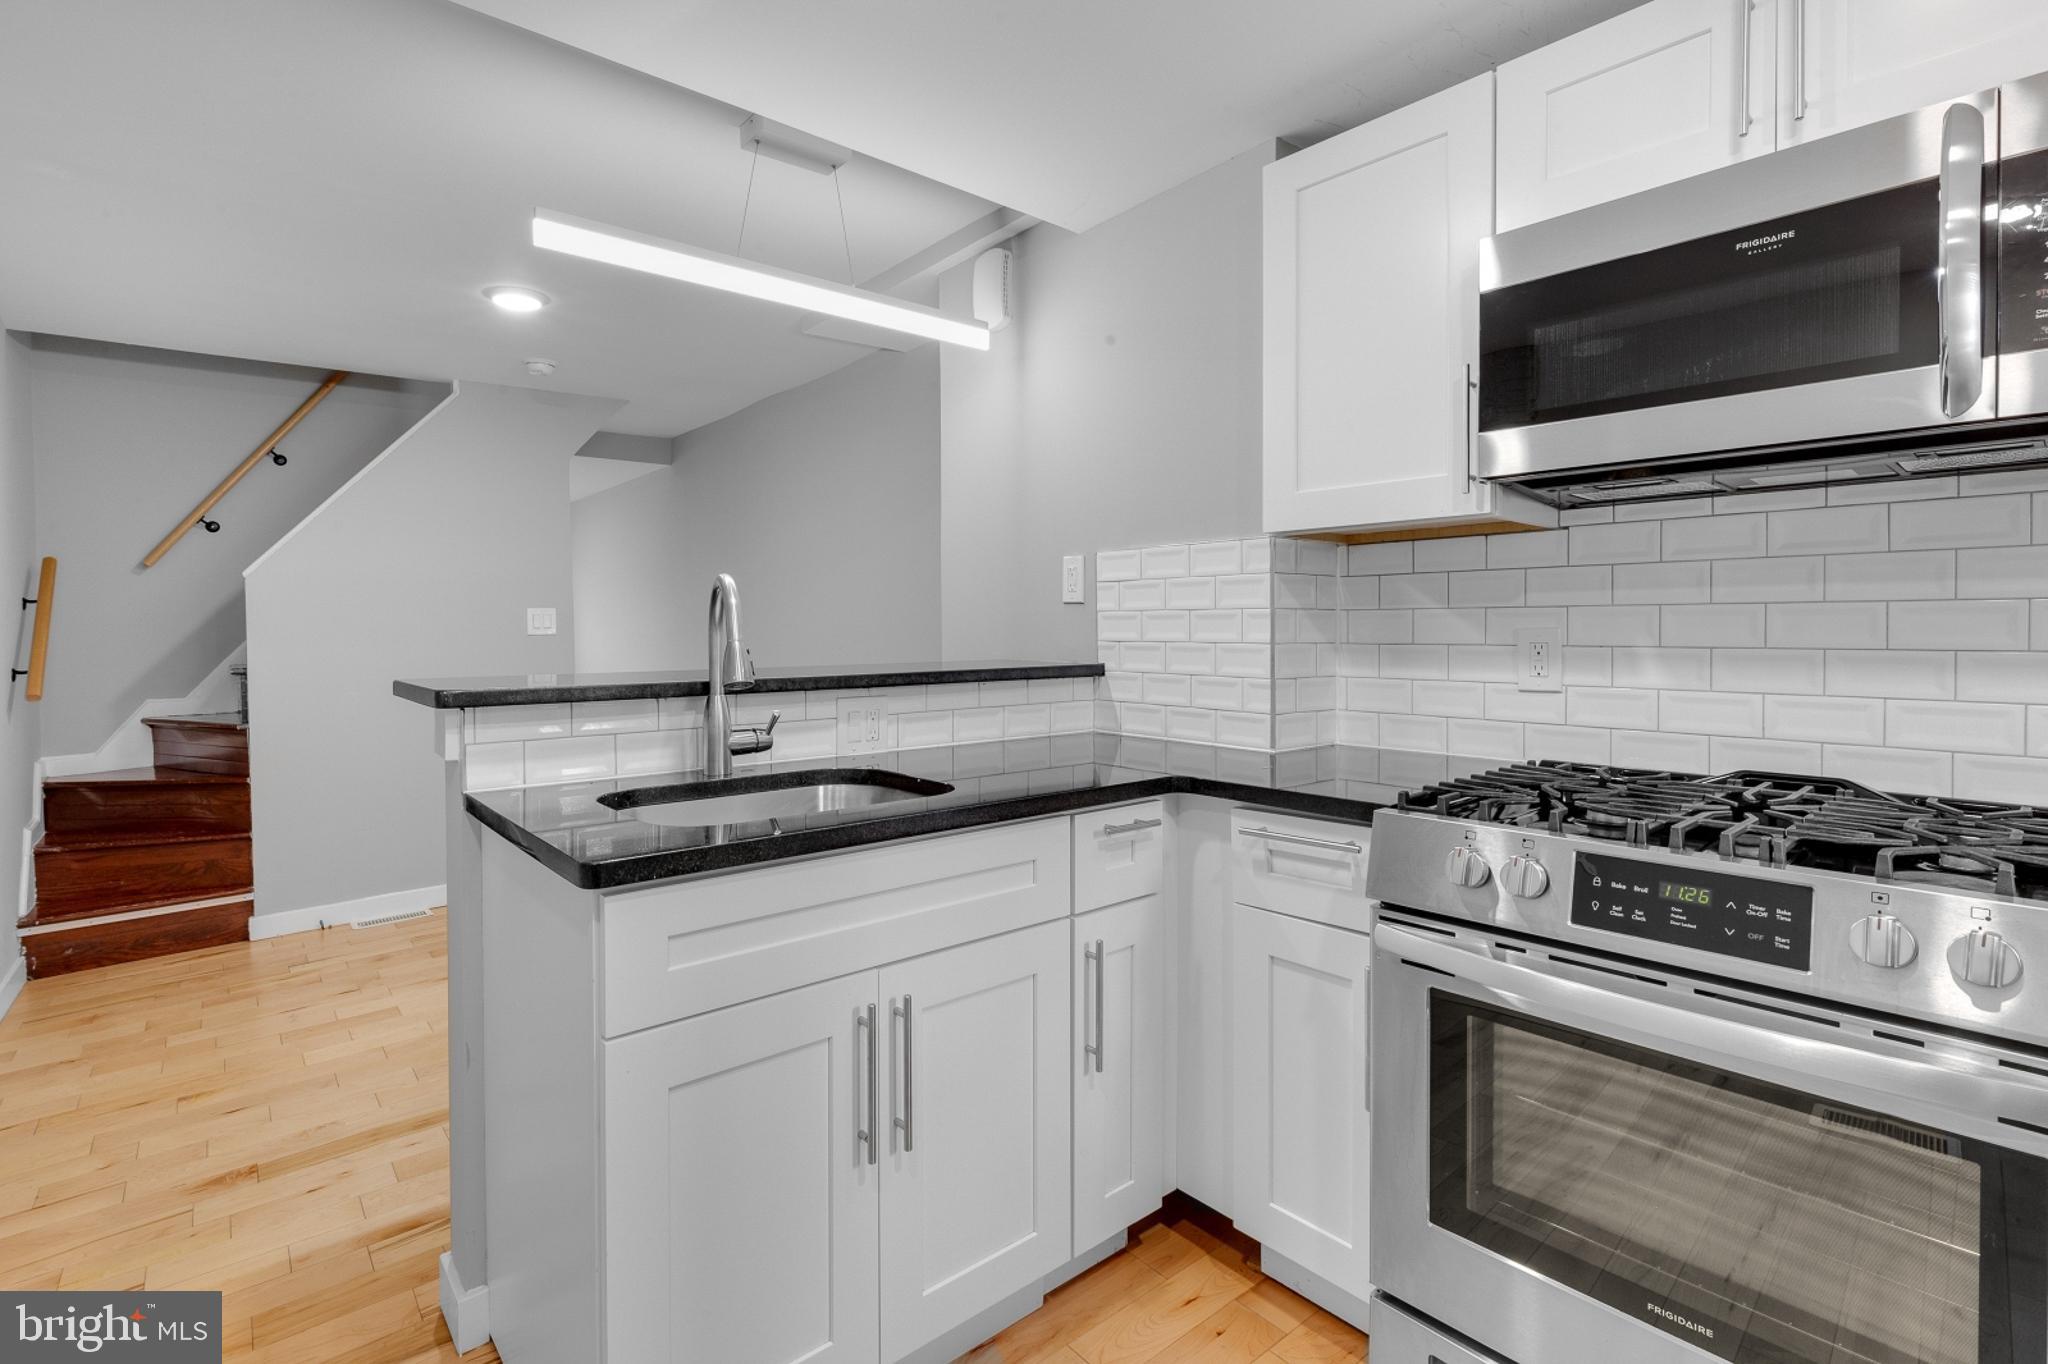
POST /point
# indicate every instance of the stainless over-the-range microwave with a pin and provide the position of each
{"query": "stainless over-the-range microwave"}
(1870, 305)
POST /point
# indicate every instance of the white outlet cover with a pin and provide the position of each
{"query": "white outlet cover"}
(540, 620)
(1539, 659)
(1073, 579)
(863, 725)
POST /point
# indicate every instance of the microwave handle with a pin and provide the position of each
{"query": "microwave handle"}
(1944, 1096)
(1959, 283)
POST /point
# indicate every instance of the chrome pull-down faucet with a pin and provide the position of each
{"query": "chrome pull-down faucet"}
(731, 668)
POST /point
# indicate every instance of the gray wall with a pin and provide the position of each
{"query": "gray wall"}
(19, 720)
(422, 566)
(823, 502)
(1121, 409)
(127, 440)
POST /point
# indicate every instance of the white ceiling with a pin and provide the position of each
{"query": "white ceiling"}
(333, 184)
(1068, 110)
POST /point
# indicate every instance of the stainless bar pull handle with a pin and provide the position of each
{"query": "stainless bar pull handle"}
(1135, 826)
(1275, 836)
(903, 1124)
(1959, 283)
(1798, 60)
(867, 1131)
(1092, 958)
(1743, 120)
(1471, 387)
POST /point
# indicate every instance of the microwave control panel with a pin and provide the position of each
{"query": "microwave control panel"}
(1734, 916)
(2023, 253)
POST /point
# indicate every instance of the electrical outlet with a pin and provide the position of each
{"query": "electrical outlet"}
(1539, 659)
(540, 620)
(1073, 584)
(863, 725)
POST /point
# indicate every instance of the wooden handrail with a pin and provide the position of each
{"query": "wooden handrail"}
(242, 470)
(45, 602)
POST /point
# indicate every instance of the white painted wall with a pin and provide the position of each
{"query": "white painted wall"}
(127, 440)
(423, 565)
(1122, 408)
(19, 720)
(822, 502)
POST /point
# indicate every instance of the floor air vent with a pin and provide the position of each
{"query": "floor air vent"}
(406, 917)
(1870, 1125)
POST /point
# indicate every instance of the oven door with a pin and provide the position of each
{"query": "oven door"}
(1838, 288)
(1574, 1163)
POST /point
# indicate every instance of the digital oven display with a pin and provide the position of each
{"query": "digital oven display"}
(1735, 916)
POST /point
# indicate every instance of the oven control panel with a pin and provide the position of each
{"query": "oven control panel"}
(1735, 916)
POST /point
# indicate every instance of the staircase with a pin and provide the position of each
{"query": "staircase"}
(147, 861)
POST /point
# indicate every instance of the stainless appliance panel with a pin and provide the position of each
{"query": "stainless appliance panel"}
(1399, 1336)
(1717, 1041)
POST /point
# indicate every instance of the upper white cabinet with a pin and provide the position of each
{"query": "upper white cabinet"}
(977, 1173)
(1372, 319)
(1844, 63)
(1665, 91)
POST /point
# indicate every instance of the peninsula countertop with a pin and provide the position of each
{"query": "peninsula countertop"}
(534, 689)
(566, 827)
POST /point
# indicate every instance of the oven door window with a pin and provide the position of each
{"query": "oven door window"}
(1834, 293)
(1759, 1223)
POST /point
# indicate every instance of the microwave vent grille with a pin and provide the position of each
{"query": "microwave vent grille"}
(1975, 457)
(1639, 489)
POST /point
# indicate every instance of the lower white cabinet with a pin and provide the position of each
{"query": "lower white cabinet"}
(741, 1207)
(751, 1219)
(1302, 1138)
(1119, 1055)
(977, 1172)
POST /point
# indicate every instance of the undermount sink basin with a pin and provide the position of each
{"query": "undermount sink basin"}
(771, 796)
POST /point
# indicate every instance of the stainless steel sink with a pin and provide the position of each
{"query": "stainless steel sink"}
(771, 796)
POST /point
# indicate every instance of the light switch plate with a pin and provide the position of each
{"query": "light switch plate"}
(540, 620)
(1539, 659)
(863, 725)
(1073, 580)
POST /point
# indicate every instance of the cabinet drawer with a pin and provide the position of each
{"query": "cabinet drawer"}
(1118, 854)
(675, 951)
(1307, 868)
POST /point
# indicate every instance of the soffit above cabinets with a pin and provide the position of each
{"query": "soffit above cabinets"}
(1071, 111)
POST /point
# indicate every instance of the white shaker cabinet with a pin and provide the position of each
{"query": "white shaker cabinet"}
(1303, 1133)
(1372, 320)
(1119, 1054)
(1845, 63)
(1662, 92)
(977, 1195)
(741, 1204)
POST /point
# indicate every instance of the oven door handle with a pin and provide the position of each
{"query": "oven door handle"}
(1941, 1095)
(1959, 283)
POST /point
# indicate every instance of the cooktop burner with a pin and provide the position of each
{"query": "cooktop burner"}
(1771, 818)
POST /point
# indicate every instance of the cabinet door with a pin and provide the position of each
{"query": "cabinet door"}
(1302, 1132)
(1372, 317)
(977, 1189)
(740, 1202)
(1662, 92)
(1119, 1052)
(1844, 63)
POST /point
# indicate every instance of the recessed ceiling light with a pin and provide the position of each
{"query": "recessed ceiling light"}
(515, 298)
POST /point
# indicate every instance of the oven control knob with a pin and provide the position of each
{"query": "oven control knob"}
(1881, 940)
(1524, 877)
(1466, 868)
(1982, 957)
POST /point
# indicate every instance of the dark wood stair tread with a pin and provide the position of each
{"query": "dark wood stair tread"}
(228, 722)
(129, 776)
(52, 843)
(95, 942)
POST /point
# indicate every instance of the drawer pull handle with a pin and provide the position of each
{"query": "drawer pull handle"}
(1275, 836)
(1135, 826)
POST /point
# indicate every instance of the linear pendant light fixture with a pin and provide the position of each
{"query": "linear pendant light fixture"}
(694, 265)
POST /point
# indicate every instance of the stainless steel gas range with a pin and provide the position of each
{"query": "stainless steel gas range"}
(1672, 1068)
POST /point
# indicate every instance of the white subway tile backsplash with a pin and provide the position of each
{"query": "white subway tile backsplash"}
(614, 717)
(1588, 667)
(1216, 557)
(1531, 549)
(2002, 676)
(1717, 537)
(1890, 769)
(1148, 595)
(504, 724)
(930, 728)
(1191, 657)
(1707, 712)
(1611, 707)
(1422, 733)
(804, 740)
(1505, 702)
(1118, 625)
(1480, 662)
(1768, 755)
(1005, 693)
(1321, 557)
(1450, 554)
(1787, 579)
(1467, 626)
(1258, 625)
(1781, 499)
(1585, 516)
(2021, 780)
(1164, 561)
(1891, 672)
(1502, 622)
(1669, 510)
(1830, 530)
(2037, 731)
(1380, 627)
(1414, 660)
(1244, 730)
(1450, 698)
(1962, 522)
(1825, 719)
(1664, 752)
(1195, 726)
(1569, 743)
(1588, 585)
(1958, 625)
(1379, 694)
(1217, 693)
(1379, 559)
(1244, 590)
(1661, 583)
(1140, 657)
(1166, 689)
(1770, 670)
(1826, 625)
(1415, 589)
(1244, 660)
(1732, 625)
(1485, 739)
(1214, 626)
(1956, 726)
(1663, 668)
(1616, 626)
(981, 723)
(1116, 565)
(1628, 543)
(1190, 594)
(1164, 625)
(2019, 572)
(493, 766)
(1496, 587)
(558, 760)
(1901, 576)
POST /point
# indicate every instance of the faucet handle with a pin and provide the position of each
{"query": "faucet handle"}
(756, 738)
(774, 719)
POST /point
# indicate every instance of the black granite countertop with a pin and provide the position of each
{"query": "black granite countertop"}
(458, 693)
(568, 829)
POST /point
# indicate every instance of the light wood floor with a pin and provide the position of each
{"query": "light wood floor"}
(270, 1119)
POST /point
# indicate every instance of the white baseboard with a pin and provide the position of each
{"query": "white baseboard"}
(344, 912)
(13, 975)
(1339, 1303)
(466, 1310)
(129, 745)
